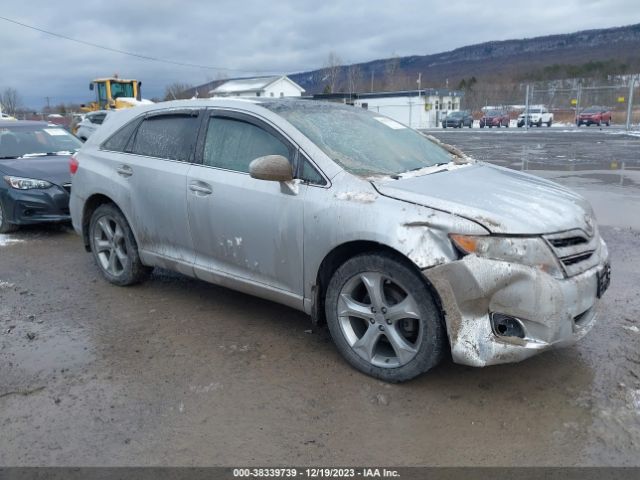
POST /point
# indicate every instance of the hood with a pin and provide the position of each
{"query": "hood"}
(52, 168)
(501, 200)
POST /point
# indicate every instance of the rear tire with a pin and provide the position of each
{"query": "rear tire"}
(383, 319)
(114, 247)
(5, 226)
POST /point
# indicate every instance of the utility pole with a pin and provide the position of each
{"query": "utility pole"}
(579, 97)
(526, 109)
(632, 83)
(372, 80)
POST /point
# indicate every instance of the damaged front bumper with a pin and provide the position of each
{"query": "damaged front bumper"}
(551, 312)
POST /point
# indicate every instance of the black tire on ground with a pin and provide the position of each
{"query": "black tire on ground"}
(443, 125)
(430, 344)
(539, 124)
(133, 271)
(549, 123)
(5, 226)
(608, 122)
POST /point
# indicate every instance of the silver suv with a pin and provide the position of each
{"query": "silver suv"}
(405, 247)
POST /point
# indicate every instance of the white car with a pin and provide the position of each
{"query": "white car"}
(537, 116)
(90, 124)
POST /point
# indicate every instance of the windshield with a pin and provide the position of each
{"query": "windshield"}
(591, 110)
(361, 142)
(455, 114)
(493, 113)
(34, 140)
(534, 110)
(121, 90)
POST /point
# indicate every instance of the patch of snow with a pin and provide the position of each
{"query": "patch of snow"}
(632, 328)
(205, 388)
(361, 197)
(8, 240)
(135, 101)
(4, 284)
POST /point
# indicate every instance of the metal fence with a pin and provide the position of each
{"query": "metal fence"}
(622, 100)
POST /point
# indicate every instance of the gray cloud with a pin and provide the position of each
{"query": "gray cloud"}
(253, 37)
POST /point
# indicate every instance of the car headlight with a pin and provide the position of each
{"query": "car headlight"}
(532, 251)
(26, 183)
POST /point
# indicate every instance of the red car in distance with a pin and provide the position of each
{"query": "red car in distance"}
(594, 116)
(495, 118)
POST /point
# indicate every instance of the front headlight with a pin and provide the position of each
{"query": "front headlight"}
(20, 183)
(532, 251)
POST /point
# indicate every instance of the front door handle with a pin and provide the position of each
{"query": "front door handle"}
(124, 171)
(200, 189)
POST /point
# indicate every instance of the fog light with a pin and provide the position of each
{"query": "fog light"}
(506, 326)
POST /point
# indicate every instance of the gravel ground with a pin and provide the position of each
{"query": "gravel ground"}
(179, 372)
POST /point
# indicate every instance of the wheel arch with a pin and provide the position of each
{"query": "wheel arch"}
(91, 205)
(343, 252)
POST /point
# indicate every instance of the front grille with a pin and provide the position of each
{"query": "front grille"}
(567, 242)
(576, 258)
(575, 250)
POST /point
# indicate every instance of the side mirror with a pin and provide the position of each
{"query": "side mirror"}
(91, 86)
(275, 168)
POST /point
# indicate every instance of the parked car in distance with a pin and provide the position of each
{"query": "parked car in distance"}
(34, 173)
(594, 116)
(6, 116)
(458, 119)
(401, 244)
(538, 116)
(495, 118)
(90, 123)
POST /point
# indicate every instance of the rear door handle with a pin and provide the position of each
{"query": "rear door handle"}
(124, 170)
(200, 188)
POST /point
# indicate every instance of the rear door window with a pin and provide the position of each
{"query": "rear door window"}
(171, 136)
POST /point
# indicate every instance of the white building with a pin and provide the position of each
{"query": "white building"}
(416, 108)
(275, 86)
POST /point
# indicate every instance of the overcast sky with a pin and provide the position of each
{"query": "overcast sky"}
(255, 37)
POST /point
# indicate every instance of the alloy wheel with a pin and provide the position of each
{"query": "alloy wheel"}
(380, 320)
(110, 246)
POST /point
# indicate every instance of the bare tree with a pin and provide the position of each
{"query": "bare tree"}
(177, 91)
(10, 100)
(331, 72)
(354, 77)
(392, 72)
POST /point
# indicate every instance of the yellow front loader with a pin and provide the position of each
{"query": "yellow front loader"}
(113, 93)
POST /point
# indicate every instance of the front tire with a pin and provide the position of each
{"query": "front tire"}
(383, 319)
(114, 247)
(5, 226)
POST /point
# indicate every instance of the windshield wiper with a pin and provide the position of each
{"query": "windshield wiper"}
(46, 154)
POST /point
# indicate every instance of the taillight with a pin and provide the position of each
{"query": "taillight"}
(73, 164)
